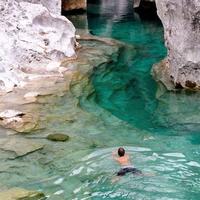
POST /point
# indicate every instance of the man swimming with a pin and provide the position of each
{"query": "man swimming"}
(124, 160)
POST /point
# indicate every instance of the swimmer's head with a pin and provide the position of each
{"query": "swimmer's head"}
(121, 152)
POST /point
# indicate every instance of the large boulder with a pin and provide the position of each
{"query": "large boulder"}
(33, 41)
(181, 21)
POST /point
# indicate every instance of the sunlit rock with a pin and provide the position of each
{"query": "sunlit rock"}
(18, 121)
(53, 6)
(68, 5)
(31, 37)
(20, 194)
(181, 21)
(10, 114)
(31, 96)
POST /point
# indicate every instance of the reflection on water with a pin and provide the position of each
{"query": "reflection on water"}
(106, 13)
(111, 11)
(168, 176)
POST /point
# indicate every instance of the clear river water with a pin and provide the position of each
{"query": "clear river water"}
(160, 131)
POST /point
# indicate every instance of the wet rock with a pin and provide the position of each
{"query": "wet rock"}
(57, 137)
(174, 112)
(181, 21)
(18, 121)
(160, 72)
(190, 84)
(10, 114)
(31, 96)
(69, 5)
(21, 194)
(46, 89)
(19, 146)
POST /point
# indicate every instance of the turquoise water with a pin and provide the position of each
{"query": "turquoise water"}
(171, 120)
(159, 131)
(126, 88)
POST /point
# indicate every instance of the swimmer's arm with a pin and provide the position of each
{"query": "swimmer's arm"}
(114, 155)
(129, 159)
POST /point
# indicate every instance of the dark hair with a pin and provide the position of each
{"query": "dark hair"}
(121, 152)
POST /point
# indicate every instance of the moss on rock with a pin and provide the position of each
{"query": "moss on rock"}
(58, 137)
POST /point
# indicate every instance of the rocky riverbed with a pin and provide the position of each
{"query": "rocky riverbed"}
(27, 110)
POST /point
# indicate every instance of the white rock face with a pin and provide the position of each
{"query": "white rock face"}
(181, 21)
(31, 39)
(54, 6)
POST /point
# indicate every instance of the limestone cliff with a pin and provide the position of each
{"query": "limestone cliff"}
(33, 40)
(181, 21)
(53, 6)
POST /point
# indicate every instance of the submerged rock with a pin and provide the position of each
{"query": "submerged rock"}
(31, 39)
(18, 120)
(19, 146)
(21, 194)
(58, 137)
(181, 21)
(10, 114)
(160, 72)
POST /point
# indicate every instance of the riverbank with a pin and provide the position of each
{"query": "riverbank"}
(19, 109)
(27, 113)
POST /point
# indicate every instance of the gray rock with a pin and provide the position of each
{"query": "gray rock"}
(181, 21)
(19, 146)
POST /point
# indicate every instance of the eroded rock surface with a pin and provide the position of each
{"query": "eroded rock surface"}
(23, 109)
(20, 194)
(18, 120)
(181, 21)
(53, 6)
(33, 41)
